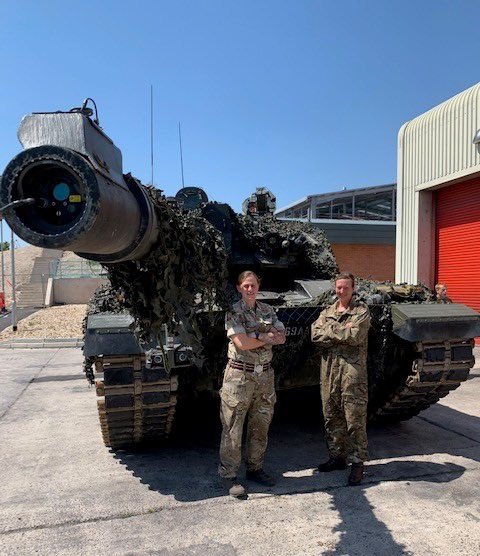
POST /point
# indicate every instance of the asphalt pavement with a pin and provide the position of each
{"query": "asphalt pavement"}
(6, 319)
(63, 492)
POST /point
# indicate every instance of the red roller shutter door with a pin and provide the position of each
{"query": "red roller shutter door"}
(458, 241)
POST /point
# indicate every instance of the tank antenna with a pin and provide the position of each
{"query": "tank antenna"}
(181, 151)
(151, 131)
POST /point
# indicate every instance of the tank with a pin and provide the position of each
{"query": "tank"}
(156, 333)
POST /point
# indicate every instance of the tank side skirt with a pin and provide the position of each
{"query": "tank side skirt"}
(429, 379)
(138, 410)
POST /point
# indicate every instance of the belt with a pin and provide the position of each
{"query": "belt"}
(249, 367)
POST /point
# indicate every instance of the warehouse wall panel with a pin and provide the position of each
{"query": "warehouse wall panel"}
(434, 150)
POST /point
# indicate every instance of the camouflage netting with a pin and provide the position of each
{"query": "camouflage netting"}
(374, 293)
(184, 274)
(186, 271)
(182, 283)
(316, 261)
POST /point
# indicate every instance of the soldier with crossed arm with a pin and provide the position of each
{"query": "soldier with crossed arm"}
(341, 331)
(248, 385)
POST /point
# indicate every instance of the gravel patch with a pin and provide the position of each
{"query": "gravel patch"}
(62, 321)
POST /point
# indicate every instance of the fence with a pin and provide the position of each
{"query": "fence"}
(31, 288)
(76, 269)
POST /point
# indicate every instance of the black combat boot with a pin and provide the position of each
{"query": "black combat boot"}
(235, 489)
(333, 464)
(356, 474)
(259, 476)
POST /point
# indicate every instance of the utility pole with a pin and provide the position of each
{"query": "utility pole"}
(14, 295)
(1, 251)
(14, 204)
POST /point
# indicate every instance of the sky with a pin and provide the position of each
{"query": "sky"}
(300, 96)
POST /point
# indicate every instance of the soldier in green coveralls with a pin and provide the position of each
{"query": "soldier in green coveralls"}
(441, 294)
(248, 384)
(341, 331)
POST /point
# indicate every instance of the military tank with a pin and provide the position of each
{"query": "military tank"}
(157, 331)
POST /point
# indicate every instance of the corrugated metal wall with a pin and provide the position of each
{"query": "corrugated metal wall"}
(433, 149)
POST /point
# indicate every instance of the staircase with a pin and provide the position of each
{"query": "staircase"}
(32, 294)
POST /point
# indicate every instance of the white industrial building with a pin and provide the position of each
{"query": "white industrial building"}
(438, 198)
(359, 223)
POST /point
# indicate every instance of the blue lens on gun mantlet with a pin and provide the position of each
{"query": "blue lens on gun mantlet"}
(61, 191)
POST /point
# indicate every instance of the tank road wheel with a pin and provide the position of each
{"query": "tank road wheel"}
(135, 403)
(439, 368)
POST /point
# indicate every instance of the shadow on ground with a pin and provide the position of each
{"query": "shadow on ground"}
(361, 532)
(186, 467)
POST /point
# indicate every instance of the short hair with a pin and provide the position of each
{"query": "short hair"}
(345, 276)
(440, 285)
(245, 274)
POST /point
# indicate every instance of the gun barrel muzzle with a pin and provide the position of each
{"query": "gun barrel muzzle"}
(76, 207)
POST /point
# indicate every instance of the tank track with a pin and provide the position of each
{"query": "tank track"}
(438, 368)
(135, 404)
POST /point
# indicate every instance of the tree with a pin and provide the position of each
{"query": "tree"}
(6, 245)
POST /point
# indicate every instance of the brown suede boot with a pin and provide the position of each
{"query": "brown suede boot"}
(235, 488)
(356, 474)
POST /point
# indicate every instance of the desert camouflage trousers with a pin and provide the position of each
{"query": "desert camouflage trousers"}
(344, 392)
(243, 393)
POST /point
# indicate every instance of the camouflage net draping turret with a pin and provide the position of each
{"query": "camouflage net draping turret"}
(184, 274)
(182, 283)
(315, 260)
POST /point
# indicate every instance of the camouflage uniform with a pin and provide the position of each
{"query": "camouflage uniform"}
(443, 300)
(343, 378)
(247, 391)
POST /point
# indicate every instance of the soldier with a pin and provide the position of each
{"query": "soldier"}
(342, 331)
(248, 384)
(441, 294)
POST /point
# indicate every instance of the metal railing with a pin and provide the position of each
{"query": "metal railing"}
(76, 269)
(30, 288)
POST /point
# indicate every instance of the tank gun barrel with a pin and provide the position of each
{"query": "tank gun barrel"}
(82, 202)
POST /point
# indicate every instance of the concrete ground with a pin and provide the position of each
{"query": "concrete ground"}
(63, 492)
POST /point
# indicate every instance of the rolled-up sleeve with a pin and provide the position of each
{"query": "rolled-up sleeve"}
(233, 324)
